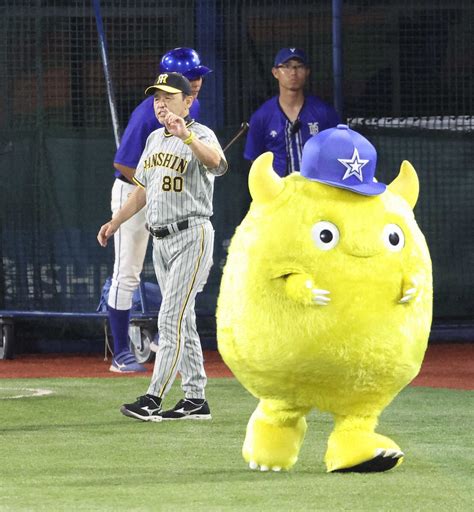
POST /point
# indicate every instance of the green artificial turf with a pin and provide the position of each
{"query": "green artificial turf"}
(73, 450)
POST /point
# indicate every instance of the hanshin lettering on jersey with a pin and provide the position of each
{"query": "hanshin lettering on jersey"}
(169, 160)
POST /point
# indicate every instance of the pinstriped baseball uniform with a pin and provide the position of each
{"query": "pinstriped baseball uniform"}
(131, 240)
(179, 188)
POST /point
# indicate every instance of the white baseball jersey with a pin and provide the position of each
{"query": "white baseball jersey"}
(178, 186)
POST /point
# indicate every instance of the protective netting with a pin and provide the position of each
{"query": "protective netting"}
(407, 85)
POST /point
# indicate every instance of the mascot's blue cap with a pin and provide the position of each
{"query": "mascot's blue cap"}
(185, 61)
(342, 158)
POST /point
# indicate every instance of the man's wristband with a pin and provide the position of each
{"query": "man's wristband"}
(189, 139)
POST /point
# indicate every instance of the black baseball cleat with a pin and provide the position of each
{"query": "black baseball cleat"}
(188, 409)
(146, 408)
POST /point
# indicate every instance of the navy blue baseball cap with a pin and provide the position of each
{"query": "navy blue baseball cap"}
(285, 54)
(343, 158)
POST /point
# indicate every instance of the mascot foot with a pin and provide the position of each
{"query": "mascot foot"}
(253, 465)
(361, 452)
(383, 461)
(273, 443)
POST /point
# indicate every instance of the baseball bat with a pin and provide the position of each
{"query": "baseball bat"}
(243, 128)
(108, 76)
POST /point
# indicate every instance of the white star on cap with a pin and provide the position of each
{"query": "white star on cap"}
(353, 165)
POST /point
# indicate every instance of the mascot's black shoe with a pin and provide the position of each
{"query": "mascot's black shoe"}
(383, 461)
(146, 408)
(188, 409)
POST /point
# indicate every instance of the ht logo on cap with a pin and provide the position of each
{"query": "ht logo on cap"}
(162, 79)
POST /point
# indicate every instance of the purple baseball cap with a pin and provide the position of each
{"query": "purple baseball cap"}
(286, 54)
(343, 158)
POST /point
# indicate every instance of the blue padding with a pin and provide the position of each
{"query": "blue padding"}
(146, 299)
(61, 314)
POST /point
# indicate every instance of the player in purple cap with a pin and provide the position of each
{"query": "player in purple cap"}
(131, 240)
(285, 122)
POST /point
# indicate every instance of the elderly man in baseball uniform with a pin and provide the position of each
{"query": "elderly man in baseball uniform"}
(175, 178)
(131, 240)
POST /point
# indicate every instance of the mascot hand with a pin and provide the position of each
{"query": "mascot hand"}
(301, 288)
(410, 290)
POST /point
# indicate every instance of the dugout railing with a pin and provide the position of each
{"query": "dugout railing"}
(141, 331)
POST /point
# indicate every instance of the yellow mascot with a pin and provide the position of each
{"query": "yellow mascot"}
(326, 302)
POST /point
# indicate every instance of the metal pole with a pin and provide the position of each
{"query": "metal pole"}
(107, 74)
(337, 55)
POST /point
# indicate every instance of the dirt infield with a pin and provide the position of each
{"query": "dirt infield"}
(91, 365)
(445, 366)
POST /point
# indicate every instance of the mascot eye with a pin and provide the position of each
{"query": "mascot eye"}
(325, 235)
(393, 237)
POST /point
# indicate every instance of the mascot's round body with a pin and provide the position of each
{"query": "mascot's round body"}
(325, 302)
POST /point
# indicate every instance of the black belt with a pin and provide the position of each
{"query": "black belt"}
(124, 179)
(164, 231)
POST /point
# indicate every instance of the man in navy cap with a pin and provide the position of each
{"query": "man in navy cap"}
(285, 122)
